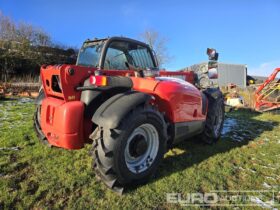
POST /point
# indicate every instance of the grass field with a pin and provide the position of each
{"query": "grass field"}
(35, 176)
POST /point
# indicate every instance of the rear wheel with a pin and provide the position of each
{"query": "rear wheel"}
(214, 120)
(132, 152)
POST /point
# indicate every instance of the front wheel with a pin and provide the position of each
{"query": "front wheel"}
(132, 152)
(215, 119)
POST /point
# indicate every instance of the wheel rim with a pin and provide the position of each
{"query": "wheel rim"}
(218, 121)
(141, 148)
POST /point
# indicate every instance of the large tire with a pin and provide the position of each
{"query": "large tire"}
(132, 152)
(37, 122)
(214, 121)
(37, 126)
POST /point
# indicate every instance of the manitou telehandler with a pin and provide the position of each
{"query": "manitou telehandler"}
(117, 99)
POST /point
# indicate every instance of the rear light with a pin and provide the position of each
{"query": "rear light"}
(98, 80)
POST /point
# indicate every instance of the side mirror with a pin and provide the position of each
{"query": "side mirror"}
(213, 55)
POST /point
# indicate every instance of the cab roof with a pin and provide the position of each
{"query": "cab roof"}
(117, 38)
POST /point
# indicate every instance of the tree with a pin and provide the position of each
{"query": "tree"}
(158, 44)
(7, 28)
(24, 48)
(8, 37)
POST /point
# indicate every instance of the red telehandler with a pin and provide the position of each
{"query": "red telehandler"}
(117, 99)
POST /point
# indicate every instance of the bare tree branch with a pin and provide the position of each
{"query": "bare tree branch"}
(158, 44)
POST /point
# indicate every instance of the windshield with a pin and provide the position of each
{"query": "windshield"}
(122, 55)
(89, 54)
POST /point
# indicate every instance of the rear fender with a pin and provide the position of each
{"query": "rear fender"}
(204, 104)
(112, 111)
(214, 93)
(40, 97)
(94, 98)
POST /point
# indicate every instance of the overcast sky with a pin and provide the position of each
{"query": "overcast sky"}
(243, 31)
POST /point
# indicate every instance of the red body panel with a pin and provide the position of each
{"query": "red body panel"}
(185, 75)
(62, 123)
(68, 82)
(180, 102)
(62, 114)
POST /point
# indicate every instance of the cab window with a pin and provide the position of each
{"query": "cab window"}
(115, 59)
(120, 55)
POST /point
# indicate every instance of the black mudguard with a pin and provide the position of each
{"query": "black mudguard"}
(40, 97)
(204, 103)
(112, 111)
(215, 93)
(93, 97)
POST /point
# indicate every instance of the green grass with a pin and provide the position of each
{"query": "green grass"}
(36, 176)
